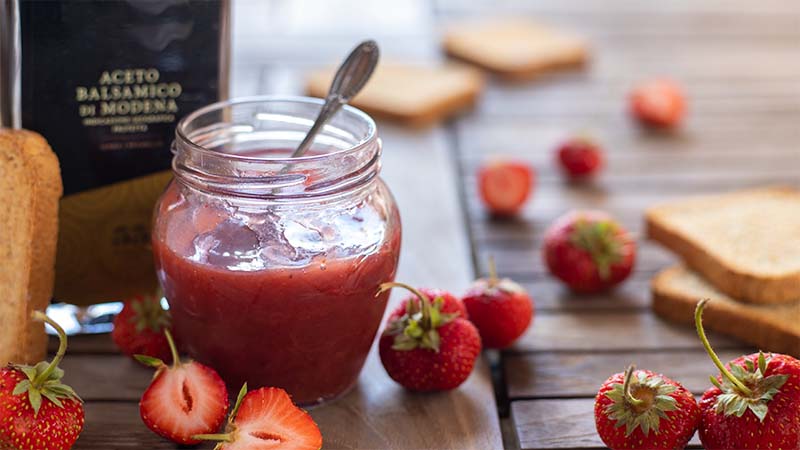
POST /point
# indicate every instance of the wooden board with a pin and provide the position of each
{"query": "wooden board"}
(740, 66)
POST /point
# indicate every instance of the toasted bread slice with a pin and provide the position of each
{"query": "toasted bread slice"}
(746, 243)
(774, 328)
(30, 183)
(415, 95)
(516, 49)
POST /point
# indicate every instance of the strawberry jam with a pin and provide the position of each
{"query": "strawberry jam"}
(273, 282)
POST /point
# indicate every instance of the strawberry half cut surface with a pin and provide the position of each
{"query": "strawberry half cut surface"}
(266, 419)
(183, 399)
(504, 186)
(754, 403)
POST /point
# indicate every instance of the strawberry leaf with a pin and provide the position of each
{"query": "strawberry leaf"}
(733, 402)
(599, 239)
(50, 395)
(21, 387)
(762, 363)
(35, 398)
(149, 361)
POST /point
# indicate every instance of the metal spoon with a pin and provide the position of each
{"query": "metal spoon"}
(352, 75)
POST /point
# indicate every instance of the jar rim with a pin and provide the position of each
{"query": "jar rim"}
(370, 136)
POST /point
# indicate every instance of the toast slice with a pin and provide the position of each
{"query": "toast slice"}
(514, 48)
(412, 94)
(30, 184)
(746, 243)
(774, 328)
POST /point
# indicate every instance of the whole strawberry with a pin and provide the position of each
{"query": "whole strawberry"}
(139, 328)
(184, 399)
(754, 404)
(425, 348)
(589, 251)
(266, 419)
(644, 410)
(499, 308)
(37, 411)
(580, 158)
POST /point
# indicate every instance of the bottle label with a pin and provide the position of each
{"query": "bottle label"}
(105, 82)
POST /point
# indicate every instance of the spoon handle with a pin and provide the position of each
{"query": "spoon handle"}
(351, 76)
(328, 110)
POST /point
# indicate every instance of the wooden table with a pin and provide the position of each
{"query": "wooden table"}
(740, 63)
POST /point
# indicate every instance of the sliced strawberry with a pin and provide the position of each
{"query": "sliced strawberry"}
(183, 400)
(505, 185)
(268, 420)
(659, 103)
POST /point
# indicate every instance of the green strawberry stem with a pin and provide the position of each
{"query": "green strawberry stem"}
(229, 436)
(626, 388)
(176, 360)
(698, 321)
(387, 286)
(493, 280)
(157, 363)
(62, 349)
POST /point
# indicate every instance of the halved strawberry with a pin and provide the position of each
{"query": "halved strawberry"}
(266, 419)
(184, 399)
(505, 185)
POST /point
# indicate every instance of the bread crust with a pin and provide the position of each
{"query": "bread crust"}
(417, 109)
(39, 176)
(725, 276)
(754, 324)
(477, 43)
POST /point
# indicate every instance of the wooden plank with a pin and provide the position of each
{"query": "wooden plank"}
(622, 8)
(625, 202)
(562, 423)
(704, 139)
(117, 426)
(525, 261)
(551, 295)
(550, 374)
(609, 331)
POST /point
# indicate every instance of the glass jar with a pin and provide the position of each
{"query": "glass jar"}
(271, 264)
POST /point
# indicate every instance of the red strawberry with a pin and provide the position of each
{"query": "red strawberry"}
(37, 411)
(183, 399)
(505, 185)
(589, 251)
(754, 404)
(266, 419)
(658, 103)
(499, 308)
(139, 328)
(580, 158)
(644, 410)
(426, 349)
